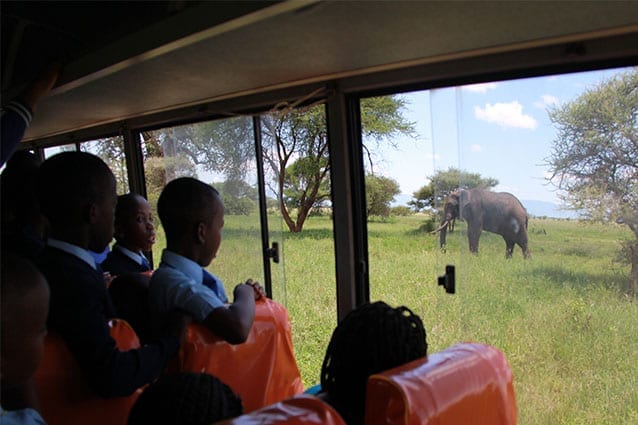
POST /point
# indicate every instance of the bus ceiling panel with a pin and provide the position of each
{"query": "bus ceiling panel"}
(287, 45)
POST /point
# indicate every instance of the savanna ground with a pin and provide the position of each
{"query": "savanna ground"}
(562, 318)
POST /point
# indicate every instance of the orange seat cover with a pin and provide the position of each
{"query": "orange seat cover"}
(262, 370)
(468, 383)
(298, 410)
(64, 395)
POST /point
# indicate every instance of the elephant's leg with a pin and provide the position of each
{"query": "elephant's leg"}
(522, 242)
(509, 248)
(473, 235)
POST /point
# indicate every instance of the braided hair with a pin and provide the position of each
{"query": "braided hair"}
(185, 398)
(372, 338)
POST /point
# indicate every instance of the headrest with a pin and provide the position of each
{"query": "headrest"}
(468, 383)
(298, 410)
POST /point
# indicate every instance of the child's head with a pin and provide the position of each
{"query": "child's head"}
(370, 339)
(192, 214)
(19, 201)
(134, 227)
(77, 194)
(24, 306)
(185, 398)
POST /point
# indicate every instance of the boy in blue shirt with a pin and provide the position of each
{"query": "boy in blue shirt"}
(134, 233)
(24, 299)
(192, 214)
(77, 194)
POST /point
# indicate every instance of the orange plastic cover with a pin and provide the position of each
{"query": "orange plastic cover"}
(298, 410)
(262, 370)
(468, 383)
(65, 397)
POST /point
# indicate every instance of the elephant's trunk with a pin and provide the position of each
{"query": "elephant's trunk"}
(443, 229)
(443, 235)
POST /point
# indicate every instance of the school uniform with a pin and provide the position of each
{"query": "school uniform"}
(16, 117)
(80, 307)
(121, 261)
(180, 283)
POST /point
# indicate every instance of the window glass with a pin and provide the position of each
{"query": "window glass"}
(220, 153)
(111, 150)
(565, 147)
(297, 176)
(49, 152)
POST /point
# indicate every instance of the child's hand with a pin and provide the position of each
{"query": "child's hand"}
(259, 290)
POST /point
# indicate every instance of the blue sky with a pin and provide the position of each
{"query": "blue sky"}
(500, 130)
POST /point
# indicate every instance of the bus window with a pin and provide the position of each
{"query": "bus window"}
(220, 153)
(111, 150)
(49, 152)
(297, 175)
(563, 317)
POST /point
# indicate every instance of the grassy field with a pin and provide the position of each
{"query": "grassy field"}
(562, 318)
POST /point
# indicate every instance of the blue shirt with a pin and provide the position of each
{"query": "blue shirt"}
(138, 257)
(178, 284)
(21, 417)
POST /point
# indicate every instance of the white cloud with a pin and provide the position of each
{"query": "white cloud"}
(480, 88)
(476, 148)
(506, 115)
(546, 100)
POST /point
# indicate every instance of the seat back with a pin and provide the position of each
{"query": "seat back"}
(64, 395)
(468, 383)
(262, 370)
(298, 410)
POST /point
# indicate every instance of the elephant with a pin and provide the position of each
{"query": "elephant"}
(496, 212)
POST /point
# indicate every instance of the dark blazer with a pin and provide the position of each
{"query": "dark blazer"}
(117, 263)
(80, 307)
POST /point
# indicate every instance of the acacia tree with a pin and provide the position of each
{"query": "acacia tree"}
(444, 182)
(380, 191)
(295, 146)
(594, 158)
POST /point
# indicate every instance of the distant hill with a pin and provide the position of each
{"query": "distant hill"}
(534, 208)
(546, 209)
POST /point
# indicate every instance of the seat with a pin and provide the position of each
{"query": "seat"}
(298, 410)
(262, 370)
(468, 383)
(65, 397)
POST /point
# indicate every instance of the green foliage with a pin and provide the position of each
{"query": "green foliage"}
(444, 182)
(295, 147)
(239, 197)
(562, 320)
(380, 191)
(401, 211)
(305, 173)
(594, 158)
(111, 150)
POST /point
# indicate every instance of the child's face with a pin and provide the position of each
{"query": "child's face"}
(137, 231)
(23, 331)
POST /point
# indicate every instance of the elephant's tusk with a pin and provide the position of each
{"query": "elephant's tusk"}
(443, 226)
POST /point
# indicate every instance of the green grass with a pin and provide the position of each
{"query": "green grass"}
(562, 318)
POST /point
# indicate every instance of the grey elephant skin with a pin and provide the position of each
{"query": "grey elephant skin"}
(496, 212)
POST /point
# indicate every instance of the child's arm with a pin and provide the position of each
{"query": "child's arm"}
(233, 322)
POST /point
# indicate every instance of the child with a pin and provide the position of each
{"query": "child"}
(24, 302)
(370, 339)
(185, 398)
(192, 214)
(23, 227)
(134, 233)
(77, 194)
